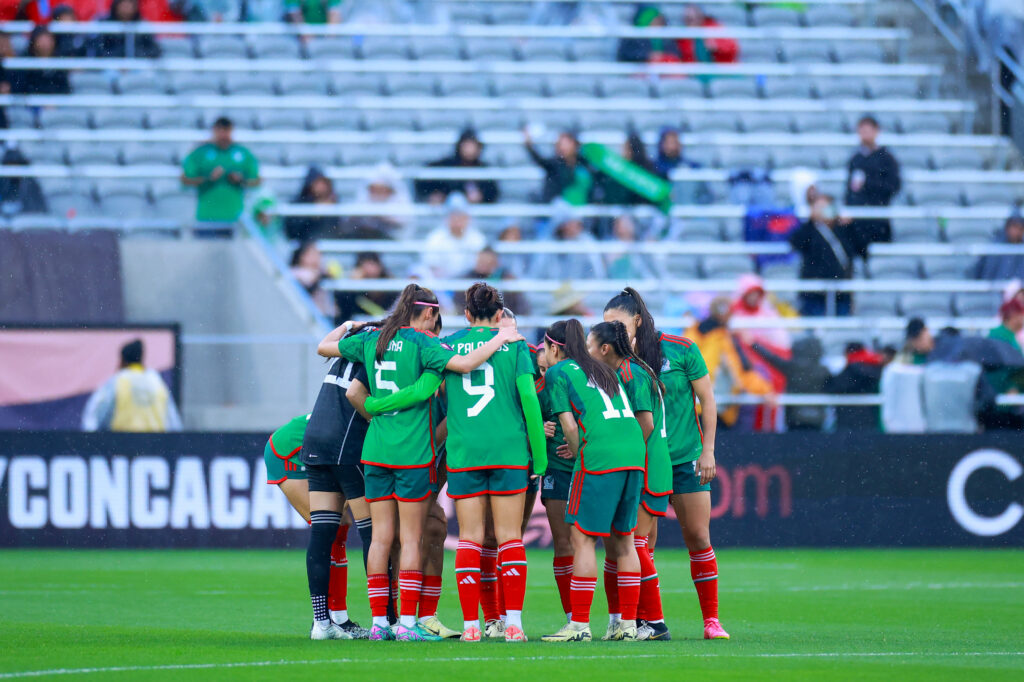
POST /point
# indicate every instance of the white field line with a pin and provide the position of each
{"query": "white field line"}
(870, 587)
(456, 659)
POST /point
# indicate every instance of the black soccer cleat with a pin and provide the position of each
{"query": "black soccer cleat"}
(647, 631)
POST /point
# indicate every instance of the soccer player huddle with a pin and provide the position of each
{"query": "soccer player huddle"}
(605, 424)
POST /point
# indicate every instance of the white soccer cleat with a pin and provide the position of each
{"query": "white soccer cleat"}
(494, 629)
(329, 631)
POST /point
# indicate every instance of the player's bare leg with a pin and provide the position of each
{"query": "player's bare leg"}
(432, 547)
(528, 504)
(507, 514)
(584, 580)
(297, 492)
(694, 513)
(561, 541)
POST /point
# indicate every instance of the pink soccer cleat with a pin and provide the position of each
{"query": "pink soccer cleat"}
(514, 633)
(471, 635)
(714, 630)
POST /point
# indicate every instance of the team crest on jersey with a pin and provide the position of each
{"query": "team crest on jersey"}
(664, 366)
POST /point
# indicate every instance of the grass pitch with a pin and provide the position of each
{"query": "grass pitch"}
(244, 615)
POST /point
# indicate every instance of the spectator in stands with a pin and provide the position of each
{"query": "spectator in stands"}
(670, 157)
(221, 171)
(450, 250)
(41, 43)
(466, 155)
(569, 228)
(6, 51)
(627, 263)
(826, 251)
(918, 343)
(611, 192)
(1007, 381)
(19, 194)
(308, 269)
(873, 179)
(317, 188)
(861, 376)
(717, 50)
(751, 301)
(729, 368)
(1014, 290)
(264, 218)
(566, 175)
(370, 303)
(643, 50)
(37, 11)
(384, 187)
(516, 263)
(1005, 266)
(313, 11)
(804, 373)
(135, 399)
(71, 44)
(488, 269)
(116, 45)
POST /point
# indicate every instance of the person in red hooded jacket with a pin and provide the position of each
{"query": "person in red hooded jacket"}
(717, 50)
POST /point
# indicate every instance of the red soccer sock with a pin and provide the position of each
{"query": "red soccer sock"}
(337, 593)
(704, 570)
(512, 556)
(562, 567)
(467, 576)
(650, 588)
(378, 590)
(489, 583)
(582, 597)
(611, 585)
(430, 594)
(410, 583)
(629, 593)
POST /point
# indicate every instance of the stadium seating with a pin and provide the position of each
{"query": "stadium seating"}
(792, 103)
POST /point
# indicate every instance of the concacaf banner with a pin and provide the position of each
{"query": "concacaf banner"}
(789, 490)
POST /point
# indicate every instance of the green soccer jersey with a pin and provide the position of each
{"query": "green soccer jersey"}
(683, 364)
(398, 439)
(610, 436)
(486, 427)
(548, 414)
(287, 440)
(220, 200)
(645, 396)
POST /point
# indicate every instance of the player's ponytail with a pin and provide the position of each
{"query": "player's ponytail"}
(410, 303)
(615, 335)
(483, 301)
(648, 340)
(568, 335)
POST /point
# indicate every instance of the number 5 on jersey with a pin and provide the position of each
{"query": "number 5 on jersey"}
(385, 384)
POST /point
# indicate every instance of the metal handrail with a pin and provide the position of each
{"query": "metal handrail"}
(831, 33)
(674, 285)
(277, 172)
(491, 67)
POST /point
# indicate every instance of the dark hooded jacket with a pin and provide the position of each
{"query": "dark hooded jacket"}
(861, 376)
(487, 188)
(20, 194)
